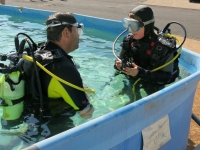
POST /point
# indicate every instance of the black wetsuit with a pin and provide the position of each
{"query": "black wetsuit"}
(65, 69)
(150, 53)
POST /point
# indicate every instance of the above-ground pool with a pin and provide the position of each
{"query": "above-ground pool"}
(160, 120)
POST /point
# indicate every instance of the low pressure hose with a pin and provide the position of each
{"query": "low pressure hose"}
(113, 47)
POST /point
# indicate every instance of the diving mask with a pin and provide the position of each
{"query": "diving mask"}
(133, 25)
(79, 27)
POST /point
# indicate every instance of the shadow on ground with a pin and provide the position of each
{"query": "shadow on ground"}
(190, 145)
(194, 1)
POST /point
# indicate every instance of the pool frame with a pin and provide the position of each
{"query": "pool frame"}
(122, 129)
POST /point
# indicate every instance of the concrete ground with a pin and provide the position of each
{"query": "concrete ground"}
(195, 4)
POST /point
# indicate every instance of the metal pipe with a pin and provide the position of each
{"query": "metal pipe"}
(196, 119)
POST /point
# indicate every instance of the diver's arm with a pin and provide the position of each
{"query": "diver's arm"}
(168, 74)
(155, 77)
(87, 112)
(160, 76)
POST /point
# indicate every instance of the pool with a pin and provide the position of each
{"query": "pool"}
(118, 126)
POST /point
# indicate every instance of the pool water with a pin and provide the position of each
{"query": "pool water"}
(95, 60)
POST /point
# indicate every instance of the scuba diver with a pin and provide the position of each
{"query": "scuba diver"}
(42, 85)
(63, 33)
(147, 58)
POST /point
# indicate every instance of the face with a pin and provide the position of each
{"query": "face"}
(138, 34)
(73, 40)
(75, 37)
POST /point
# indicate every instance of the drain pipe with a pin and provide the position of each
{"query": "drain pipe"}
(196, 119)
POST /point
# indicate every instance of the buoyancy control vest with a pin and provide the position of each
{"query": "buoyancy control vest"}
(148, 55)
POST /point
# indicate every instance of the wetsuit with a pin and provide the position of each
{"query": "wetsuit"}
(149, 53)
(55, 90)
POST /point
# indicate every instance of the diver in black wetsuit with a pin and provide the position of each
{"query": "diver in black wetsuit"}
(63, 33)
(143, 51)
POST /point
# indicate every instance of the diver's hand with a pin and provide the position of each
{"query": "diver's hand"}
(118, 65)
(87, 112)
(131, 71)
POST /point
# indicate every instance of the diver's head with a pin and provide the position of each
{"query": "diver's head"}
(140, 21)
(64, 30)
(56, 23)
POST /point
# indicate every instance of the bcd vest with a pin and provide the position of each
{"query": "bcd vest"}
(148, 55)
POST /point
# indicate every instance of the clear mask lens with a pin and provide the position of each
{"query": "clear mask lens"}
(131, 25)
(80, 29)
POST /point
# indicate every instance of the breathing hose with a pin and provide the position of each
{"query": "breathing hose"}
(113, 47)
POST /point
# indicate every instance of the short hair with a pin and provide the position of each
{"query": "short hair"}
(133, 16)
(54, 33)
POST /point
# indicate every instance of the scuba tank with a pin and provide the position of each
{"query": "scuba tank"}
(12, 83)
(11, 94)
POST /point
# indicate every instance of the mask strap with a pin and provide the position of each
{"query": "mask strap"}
(148, 22)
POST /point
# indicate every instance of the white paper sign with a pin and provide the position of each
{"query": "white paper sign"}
(157, 134)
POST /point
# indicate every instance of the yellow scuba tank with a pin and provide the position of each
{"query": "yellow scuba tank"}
(12, 98)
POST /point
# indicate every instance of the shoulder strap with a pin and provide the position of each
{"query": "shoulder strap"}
(46, 57)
